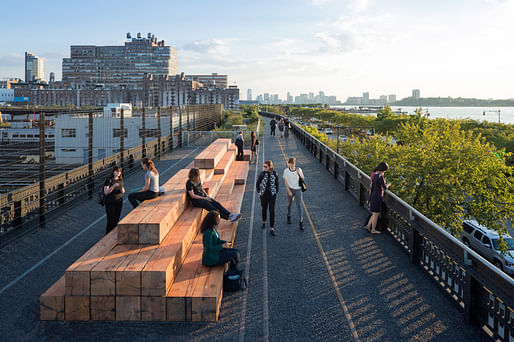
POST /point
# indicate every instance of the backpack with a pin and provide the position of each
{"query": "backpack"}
(234, 280)
(239, 142)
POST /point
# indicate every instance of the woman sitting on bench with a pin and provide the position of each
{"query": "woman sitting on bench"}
(200, 199)
(151, 188)
(214, 253)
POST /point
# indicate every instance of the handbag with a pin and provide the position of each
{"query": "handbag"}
(233, 280)
(301, 182)
(100, 197)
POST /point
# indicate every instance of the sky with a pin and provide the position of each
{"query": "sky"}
(457, 48)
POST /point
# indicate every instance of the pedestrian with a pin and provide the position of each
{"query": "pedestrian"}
(240, 145)
(253, 147)
(273, 125)
(151, 188)
(200, 199)
(287, 126)
(378, 186)
(292, 176)
(267, 187)
(214, 253)
(113, 190)
(281, 127)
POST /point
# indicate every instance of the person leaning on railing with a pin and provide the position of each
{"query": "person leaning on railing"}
(378, 187)
(151, 188)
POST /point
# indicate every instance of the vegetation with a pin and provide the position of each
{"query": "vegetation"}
(248, 116)
(453, 102)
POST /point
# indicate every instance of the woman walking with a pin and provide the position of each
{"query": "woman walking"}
(378, 186)
(151, 188)
(113, 190)
(253, 147)
(267, 188)
(292, 176)
(286, 128)
(214, 253)
(281, 127)
(200, 199)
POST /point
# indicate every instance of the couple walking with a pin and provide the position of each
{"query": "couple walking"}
(268, 185)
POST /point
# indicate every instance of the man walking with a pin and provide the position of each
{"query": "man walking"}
(273, 125)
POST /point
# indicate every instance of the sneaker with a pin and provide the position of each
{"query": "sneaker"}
(272, 231)
(301, 225)
(263, 225)
(288, 219)
(235, 217)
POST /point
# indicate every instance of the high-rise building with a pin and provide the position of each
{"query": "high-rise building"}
(365, 98)
(416, 93)
(322, 97)
(211, 81)
(120, 67)
(266, 98)
(289, 98)
(34, 68)
(249, 95)
(383, 99)
(391, 98)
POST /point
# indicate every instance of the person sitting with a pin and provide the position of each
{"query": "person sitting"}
(151, 188)
(200, 199)
(214, 253)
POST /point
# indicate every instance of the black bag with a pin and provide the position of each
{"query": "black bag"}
(233, 280)
(256, 142)
(301, 183)
(100, 197)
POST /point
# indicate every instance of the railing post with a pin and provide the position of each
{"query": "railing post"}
(158, 133)
(90, 183)
(336, 170)
(171, 130)
(327, 161)
(42, 171)
(143, 136)
(180, 126)
(470, 297)
(415, 245)
(346, 180)
(122, 138)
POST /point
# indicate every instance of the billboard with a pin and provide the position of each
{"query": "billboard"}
(21, 99)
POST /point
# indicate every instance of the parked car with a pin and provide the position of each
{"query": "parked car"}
(328, 131)
(485, 242)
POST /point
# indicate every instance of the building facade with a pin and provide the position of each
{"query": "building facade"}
(416, 93)
(210, 81)
(34, 68)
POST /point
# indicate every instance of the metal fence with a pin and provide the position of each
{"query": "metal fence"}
(84, 147)
(204, 138)
(483, 292)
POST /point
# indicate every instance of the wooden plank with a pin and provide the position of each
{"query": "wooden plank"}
(128, 227)
(153, 308)
(103, 275)
(76, 308)
(210, 156)
(242, 168)
(225, 162)
(77, 276)
(103, 308)
(128, 274)
(246, 155)
(128, 308)
(51, 303)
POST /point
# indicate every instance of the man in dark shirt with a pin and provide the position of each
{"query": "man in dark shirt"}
(273, 125)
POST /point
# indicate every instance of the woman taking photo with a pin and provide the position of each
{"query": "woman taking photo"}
(214, 253)
(292, 177)
(378, 186)
(253, 147)
(151, 188)
(200, 199)
(113, 190)
(267, 188)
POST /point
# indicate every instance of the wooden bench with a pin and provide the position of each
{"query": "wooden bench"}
(210, 157)
(225, 162)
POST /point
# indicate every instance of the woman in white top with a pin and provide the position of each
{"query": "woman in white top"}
(151, 188)
(291, 179)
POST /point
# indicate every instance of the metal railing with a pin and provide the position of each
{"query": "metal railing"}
(204, 138)
(480, 289)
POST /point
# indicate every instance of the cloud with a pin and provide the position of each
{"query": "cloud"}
(12, 60)
(335, 42)
(212, 47)
(352, 5)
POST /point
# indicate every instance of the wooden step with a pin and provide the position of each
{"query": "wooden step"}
(225, 162)
(210, 157)
(51, 303)
(241, 169)
(246, 155)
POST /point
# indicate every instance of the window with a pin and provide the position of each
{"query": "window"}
(486, 241)
(478, 235)
(116, 132)
(68, 150)
(467, 228)
(68, 132)
(150, 132)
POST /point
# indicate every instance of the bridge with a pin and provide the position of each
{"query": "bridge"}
(331, 282)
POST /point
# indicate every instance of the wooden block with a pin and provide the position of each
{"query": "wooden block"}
(76, 308)
(77, 276)
(103, 308)
(204, 309)
(103, 275)
(241, 172)
(128, 308)
(178, 309)
(51, 303)
(128, 274)
(246, 155)
(225, 162)
(128, 227)
(153, 308)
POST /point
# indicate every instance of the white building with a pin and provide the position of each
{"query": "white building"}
(6, 95)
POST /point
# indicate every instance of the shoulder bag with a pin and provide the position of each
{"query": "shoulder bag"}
(301, 182)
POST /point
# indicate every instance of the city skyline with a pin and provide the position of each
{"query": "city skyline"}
(345, 47)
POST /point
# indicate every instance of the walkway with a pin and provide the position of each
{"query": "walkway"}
(331, 282)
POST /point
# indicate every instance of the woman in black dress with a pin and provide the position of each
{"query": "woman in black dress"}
(267, 187)
(378, 186)
(253, 148)
(113, 190)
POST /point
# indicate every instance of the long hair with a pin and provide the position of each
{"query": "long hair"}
(194, 175)
(270, 165)
(252, 136)
(381, 167)
(211, 220)
(116, 168)
(150, 165)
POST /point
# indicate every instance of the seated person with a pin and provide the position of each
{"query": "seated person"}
(200, 199)
(214, 253)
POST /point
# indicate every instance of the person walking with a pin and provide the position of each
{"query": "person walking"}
(273, 125)
(214, 253)
(292, 176)
(113, 190)
(287, 126)
(253, 147)
(240, 144)
(267, 187)
(378, 186)
(151, 188)
(281, 127)
(200, 199)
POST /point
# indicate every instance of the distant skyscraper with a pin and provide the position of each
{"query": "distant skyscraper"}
(383, 99)
(289, 98)
(365, 98)
(416, 93)
(322, 97)
(34, 68)
(52, 77)
(311, 97)
(249, 95)
(266, 97)
(391, 98)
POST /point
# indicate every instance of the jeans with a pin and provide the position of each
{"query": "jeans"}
(268, 201)
(113, 212)
(229, 254)
(298, 195)
(211, 205)
(273, 131)
(141, 196)
(239, 153)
